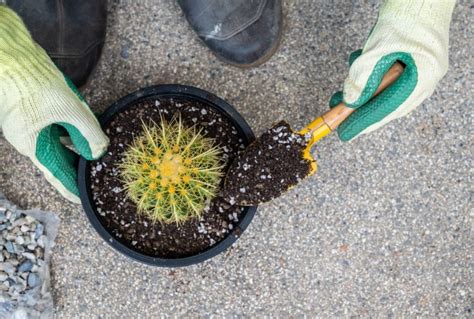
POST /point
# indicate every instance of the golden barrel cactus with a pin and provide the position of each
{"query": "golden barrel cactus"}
(171, 171)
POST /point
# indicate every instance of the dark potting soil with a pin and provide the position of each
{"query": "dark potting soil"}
(119, 215)
(268, 167)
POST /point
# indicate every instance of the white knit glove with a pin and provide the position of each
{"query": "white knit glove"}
(38, 106)
(414, 32)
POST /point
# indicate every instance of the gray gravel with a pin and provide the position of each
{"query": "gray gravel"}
(384, 228)
(24, 262)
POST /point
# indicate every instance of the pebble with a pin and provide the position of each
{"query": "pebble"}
(20, 240)
(40, 241)
(19, 248)
(7, 267)
(39, 230)
(33, 280)
(27, 265)
(29, 256)
(9, 247)
(30, 219)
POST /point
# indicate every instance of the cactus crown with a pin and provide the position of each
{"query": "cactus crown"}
(171, 171)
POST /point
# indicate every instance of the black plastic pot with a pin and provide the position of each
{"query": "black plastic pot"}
(171, 90)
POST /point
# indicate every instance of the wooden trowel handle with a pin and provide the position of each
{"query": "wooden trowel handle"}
(340, 112)
(330, 120)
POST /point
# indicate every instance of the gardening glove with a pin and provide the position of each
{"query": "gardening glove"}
(413, 32)
(38, 105)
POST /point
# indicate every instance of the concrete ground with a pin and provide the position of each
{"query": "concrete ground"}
(384, 229)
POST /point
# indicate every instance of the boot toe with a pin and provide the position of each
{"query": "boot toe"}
(243, 33)
(249, 48)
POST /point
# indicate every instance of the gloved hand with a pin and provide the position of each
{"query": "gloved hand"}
(38, 106)
(413, 32)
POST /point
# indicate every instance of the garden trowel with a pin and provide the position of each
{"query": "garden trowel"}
(280, 158)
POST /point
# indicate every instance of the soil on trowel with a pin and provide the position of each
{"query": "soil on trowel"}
(268, 167)
(119, 215)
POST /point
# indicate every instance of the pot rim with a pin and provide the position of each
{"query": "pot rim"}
(131, 99)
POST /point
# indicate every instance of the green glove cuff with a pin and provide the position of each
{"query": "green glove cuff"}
(370, 111)
(55, 157)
